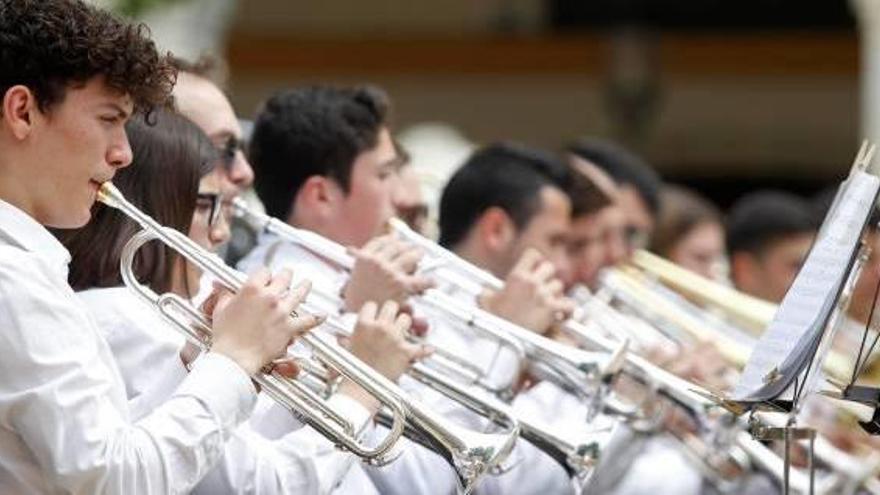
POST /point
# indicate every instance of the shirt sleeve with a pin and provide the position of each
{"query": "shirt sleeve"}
(62, 394)
(279, 455)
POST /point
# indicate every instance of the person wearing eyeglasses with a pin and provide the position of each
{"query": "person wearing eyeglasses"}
(201, 99)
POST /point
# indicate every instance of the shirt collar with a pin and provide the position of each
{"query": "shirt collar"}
(19, 228)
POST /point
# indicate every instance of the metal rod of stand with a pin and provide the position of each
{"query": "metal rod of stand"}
(810, 466)
(787, 465)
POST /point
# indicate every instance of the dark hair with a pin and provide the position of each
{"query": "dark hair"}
(585, 195)
(171, 154)
(312, 131)
(762, 218)
(50, 45)
(682, 210)
(625, 167)
(503, 175)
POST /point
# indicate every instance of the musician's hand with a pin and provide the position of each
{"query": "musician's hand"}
(384, 270)
(703, 364)
(532, 296)
(380, 339)
(254, 326)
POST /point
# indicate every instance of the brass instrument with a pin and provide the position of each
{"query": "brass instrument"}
(471, 453)
(577, 452)
(848, 471)
(738, 306)
(749, 311)
(697, 401)
(451, 268)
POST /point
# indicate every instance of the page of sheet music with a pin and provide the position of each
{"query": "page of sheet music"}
(800, 319)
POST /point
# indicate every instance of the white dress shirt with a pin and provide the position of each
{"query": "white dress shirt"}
(419, 471)
(282, 457)
(65, 425)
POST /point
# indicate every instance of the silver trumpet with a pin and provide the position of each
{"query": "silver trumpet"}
(451, 268)
(577, 452)
(572, 368)
(470, 453)
(647, 297)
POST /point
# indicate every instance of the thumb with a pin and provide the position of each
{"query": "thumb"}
(418, 285)
(286, 367)
(222, 300)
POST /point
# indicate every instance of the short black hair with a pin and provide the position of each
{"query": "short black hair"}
(504, 175)
(624, 166)
(318, 130)
(759, 219)
(586, 196)
(51, 45)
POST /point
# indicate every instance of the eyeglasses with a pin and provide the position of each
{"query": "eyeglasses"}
(211, 202)
(228, 150)
(635, 237)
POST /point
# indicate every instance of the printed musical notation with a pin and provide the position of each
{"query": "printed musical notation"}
(792, 339)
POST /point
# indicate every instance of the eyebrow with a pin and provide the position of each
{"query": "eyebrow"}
(121, 112)
(223, 135)
(396, 163)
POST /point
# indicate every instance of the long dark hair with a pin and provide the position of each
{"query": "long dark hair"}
(171, 155)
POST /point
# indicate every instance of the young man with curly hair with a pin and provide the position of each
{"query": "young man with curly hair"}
(70, 77)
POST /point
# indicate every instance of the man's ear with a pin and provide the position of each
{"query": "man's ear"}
(496, 229)
(743, 266)
(316, 198)
(18, 110)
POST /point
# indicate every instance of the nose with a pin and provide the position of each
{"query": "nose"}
(119, 154)
(240, 173)
(564, 269)
(219, 233)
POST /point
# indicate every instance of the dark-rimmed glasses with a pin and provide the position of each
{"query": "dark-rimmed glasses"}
(211, 202)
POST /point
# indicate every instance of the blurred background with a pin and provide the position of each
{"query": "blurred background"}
(719, 95)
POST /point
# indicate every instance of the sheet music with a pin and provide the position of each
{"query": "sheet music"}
(791, 340)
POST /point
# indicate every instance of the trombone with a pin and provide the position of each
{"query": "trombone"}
(576, 453)
(753, 313)
(470, 453)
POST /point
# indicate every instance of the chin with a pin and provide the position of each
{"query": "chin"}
(71, 221)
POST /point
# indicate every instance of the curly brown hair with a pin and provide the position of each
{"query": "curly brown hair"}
(51, 45)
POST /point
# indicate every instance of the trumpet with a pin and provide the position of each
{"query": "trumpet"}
(577, 453)
(573, 367)
(695, 400)
(453, 269)
(470, 453)
(848, 472)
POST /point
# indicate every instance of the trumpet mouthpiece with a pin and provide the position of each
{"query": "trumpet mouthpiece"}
(108, 194)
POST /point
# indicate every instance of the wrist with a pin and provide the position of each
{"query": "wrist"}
(248, 365)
